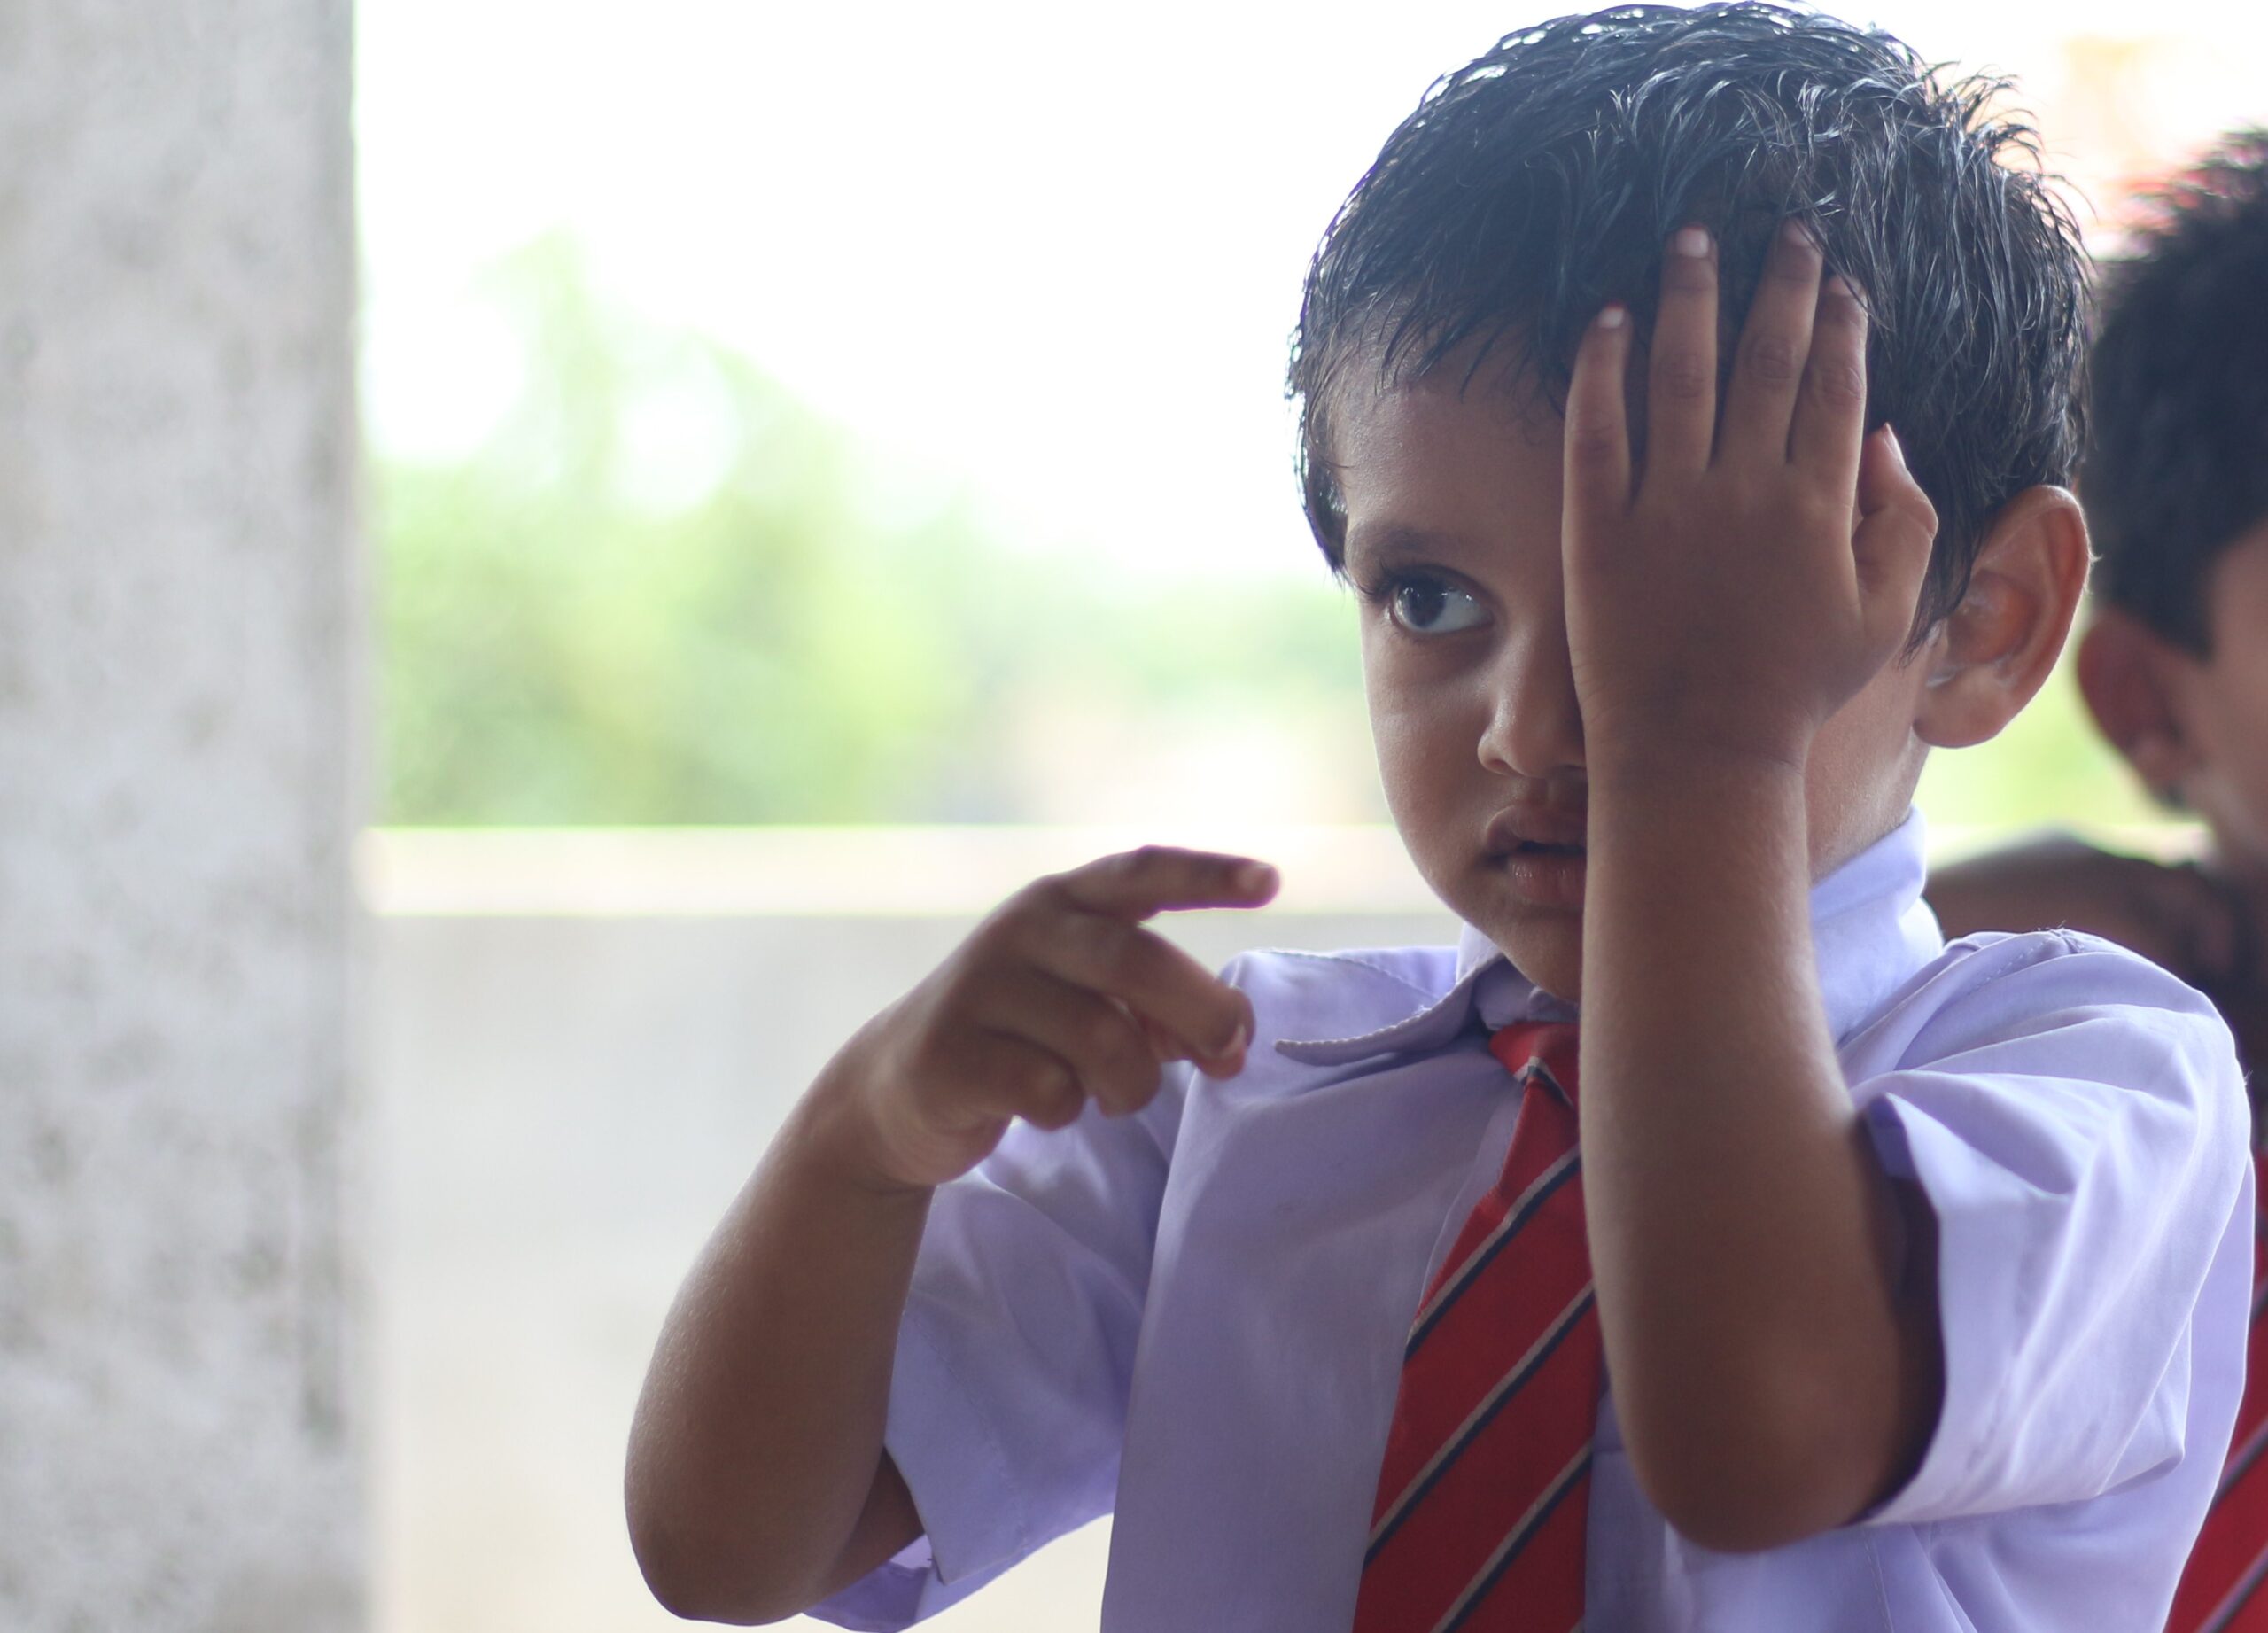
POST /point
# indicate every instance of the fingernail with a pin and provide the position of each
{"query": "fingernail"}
(1896, 446)
(1691, 241)
(1613, 317)
(1793, 231)
(1255, 877)
(1229, 1061)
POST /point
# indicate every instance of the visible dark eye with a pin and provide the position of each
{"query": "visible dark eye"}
(1424, 604)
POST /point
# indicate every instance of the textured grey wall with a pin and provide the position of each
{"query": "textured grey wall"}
(178, 1438)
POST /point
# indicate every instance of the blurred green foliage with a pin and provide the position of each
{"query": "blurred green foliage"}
(2049, 769)
(798, 634)
(664, 591)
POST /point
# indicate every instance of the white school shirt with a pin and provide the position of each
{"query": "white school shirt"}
(1194, 1316)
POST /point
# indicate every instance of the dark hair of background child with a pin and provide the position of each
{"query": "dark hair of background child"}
(1543, 180)
(2178, 469)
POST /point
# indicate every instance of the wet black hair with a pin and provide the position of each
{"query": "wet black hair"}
(1544, 178)
(2178, 469)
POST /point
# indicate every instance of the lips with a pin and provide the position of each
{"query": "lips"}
(1533, 830)
(1539, 853)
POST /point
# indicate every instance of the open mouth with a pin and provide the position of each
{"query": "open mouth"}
(1539, 851)
(1527, 826)
(1535, 856)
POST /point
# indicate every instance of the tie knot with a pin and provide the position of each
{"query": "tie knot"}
(1539, 1050)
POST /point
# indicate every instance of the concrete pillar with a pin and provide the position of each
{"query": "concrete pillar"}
(179, 625)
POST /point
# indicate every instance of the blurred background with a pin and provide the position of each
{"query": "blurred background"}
(820, 467)
(871, 417)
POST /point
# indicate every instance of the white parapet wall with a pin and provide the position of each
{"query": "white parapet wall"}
(583, 1041)
(179, 1401)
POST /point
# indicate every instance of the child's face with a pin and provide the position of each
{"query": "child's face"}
(1453, 502)
(2224, 703)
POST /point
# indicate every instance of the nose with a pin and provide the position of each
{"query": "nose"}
(1534, 725)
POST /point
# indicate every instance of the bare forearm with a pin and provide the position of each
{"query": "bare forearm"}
(757, 1482)
(1740, 1228)
(2169, 915)
(757, 1442)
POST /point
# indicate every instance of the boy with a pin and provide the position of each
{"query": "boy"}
(2171, 668)
(1918, 1272)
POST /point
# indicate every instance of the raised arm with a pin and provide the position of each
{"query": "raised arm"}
(1775, 1367)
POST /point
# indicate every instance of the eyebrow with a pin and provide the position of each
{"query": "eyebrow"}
(1394, 542)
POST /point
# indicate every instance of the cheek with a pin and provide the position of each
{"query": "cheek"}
(1389, 689)
(2226, 700)
(1397, 733)
(1415, 727)
(2237, 739)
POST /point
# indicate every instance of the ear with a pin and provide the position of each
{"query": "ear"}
(1997, 648)
(2126, 674)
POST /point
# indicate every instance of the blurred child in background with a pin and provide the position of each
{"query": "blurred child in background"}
(2174, 669)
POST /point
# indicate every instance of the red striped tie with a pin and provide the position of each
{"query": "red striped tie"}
(1478, 1523)
(2222, 1590)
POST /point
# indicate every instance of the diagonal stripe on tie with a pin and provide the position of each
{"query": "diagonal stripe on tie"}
(1478, 1336)
(2220, 1587)
(1508, 1550)
(2243, 1454)
(1483, 1488)
(1448, 1534)
(1459, 1275)
(1522, 1370)
(2239, 1597)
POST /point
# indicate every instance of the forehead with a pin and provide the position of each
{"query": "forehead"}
(1455, 449)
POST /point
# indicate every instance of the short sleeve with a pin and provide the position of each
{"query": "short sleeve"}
(1008, 1393)
(2075, 1117)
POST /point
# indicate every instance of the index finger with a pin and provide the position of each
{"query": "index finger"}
(1134, 884)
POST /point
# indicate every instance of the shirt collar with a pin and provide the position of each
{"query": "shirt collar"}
(1870, 931)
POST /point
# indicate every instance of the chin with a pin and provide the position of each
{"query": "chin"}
(1565, 982)
(1547, 949)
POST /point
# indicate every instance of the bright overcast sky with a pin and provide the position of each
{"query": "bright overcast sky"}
(1054, 249)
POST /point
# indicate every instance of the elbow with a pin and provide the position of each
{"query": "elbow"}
(1796, 1428)
(1751, 1470)
(699, 1576)
(1728, 1510)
